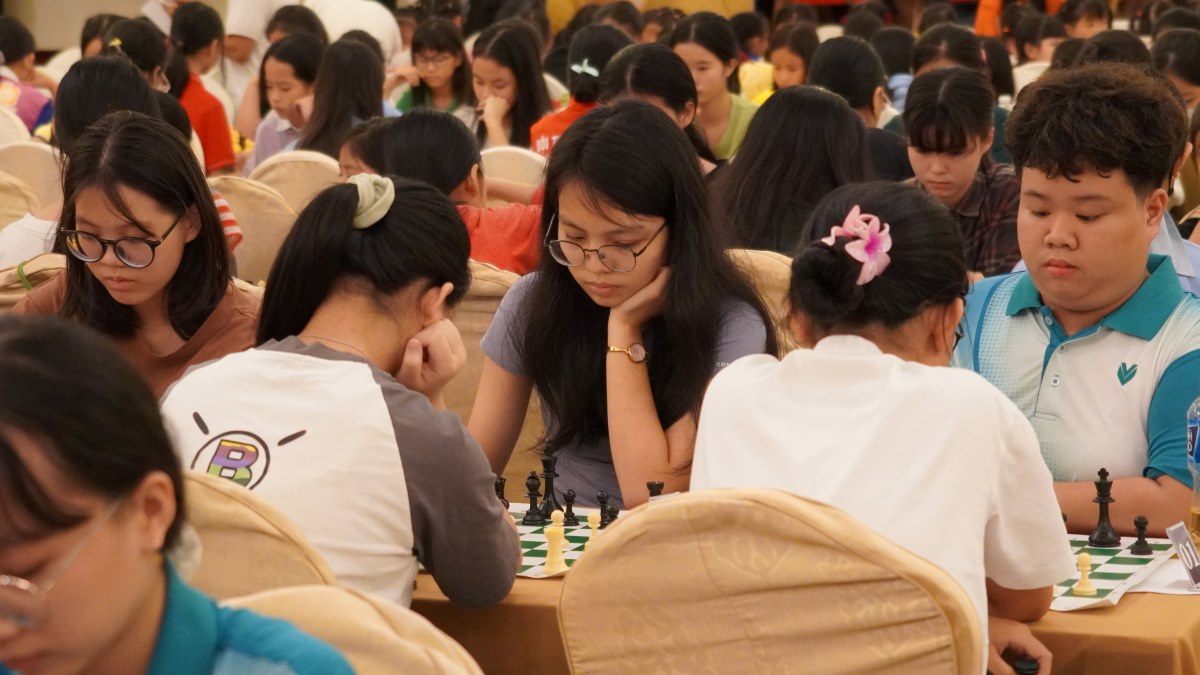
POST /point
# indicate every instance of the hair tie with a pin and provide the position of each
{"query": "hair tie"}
(115, 42)
(584, 69)
(872, 241)
(375, 197)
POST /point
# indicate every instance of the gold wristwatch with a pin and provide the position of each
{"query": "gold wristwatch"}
(636, 352)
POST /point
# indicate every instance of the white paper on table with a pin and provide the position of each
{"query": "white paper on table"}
(1168, 579)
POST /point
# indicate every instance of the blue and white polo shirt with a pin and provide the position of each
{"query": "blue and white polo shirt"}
(1115, 394)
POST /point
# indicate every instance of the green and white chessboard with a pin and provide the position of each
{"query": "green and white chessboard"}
(1114, 571)
(533, 543)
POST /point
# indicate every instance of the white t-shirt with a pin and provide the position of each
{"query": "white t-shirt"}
(373, 475)
(934, 459)
(25, 238)
(343, 16)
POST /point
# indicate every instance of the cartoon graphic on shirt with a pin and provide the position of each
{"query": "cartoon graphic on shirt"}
(240, 456)
(1125, 373)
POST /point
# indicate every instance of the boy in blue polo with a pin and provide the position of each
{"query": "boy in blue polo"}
(1097, 343)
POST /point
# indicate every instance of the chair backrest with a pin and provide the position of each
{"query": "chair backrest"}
(298, 175)
(16, 199)
(725, 580)
(557, 90)
(249, 545)
(374, 635)
(37, 164)
(18, 280)
(515, 164)
(828, 31)
(12, 127)
(265, 218)
(771, 274)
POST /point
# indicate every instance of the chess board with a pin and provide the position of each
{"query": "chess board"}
(534, 547)
(1114, 571)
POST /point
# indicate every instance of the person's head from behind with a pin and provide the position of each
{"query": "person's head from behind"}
(197, 39)
(862, 24)
(17, 47)
(349, 88)
(1010, 16)
(999, 67)
(140, 227)
(506, 63)
(623, 15)
(1037, 36)
(894, 46)
(707, 43)
(936, 14)
(94, 87)
(883, 261)
(766, 193)
(591, 50)
(949, 123)
(289, 73)
(427, 145)
(144, 44)
(395, 246)
(946, 46)
(1066, 53)
(753, 32)
(91, 38)
(1176, 54)
(293, 19)
(795, 13)
(1114, 46)
(1175, 18)
(1091, 197)
(81, 495)
(851, 69)
(1085, 18)
(363, 37)
(441, 60)
(658, 24)
(790, 52)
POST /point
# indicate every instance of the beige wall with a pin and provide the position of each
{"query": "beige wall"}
(56, 23)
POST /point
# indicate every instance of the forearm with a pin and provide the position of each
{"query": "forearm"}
(1164, 501)
(1018, 605)
(496, 137)
(510, 191)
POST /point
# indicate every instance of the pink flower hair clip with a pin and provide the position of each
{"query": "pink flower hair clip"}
(872, 241)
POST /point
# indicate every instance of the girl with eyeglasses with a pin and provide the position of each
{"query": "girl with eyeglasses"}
(443, 71)
(147, 263)
(93, 537)
(632, 311)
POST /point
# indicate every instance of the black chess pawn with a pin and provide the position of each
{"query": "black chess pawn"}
(1141, 546)
(1026, 667)
(1104, 536)
(613, 512)
(569, 519)
(534, 515)
(602, 502)
(655, 488)
(500, 491)
(550, 502)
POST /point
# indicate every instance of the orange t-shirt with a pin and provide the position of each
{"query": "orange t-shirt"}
(505, 236)
(207, 116)
(230, 328)
(545, 132)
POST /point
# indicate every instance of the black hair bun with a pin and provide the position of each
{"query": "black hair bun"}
(824, 278)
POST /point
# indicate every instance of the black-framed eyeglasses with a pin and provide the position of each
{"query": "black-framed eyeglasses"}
(616, 257)
(134, 252)
(436, 60)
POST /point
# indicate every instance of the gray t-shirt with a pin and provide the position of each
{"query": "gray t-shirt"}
(587, 468)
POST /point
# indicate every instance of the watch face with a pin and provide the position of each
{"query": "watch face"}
(637, 352)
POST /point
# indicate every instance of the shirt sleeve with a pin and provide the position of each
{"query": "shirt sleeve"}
(742, 333)
(503, 341)
(1165, 434)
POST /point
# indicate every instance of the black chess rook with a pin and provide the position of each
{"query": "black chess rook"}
(1104, 536)
(534, 515)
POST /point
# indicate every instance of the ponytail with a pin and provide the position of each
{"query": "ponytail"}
(194, 26)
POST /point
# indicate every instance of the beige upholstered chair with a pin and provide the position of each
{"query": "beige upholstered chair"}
(298, 175)
(16, 199)
(557, 90)
(249, 545)
(375, 636)
(771, 274)
(37, 165)
(18, 280)
(763, 581)
(265, 218)
(12, 129)
(515, 164)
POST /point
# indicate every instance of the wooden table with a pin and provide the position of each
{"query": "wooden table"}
(1146, 634)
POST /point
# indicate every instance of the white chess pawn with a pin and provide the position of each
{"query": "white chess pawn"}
(593, 521)
(1084, 564)
(555, 537)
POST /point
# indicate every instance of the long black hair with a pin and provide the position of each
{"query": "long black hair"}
(424, 144)
(590, 51)
(194, 27)
(94, 87)
(927, 267)
(714, 33)
(950, 42)
(110, 441)
(420, 238)
(349, 89)
(654, 70)
(514, 44)
(605, 154)
(947, 109)
(141, 41)
(128, 149)
(1177, 52)
(301, 51)
(765, 195)
(95, 27)
(441, 36)
(848, 67)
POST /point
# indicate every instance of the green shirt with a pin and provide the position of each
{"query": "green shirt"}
(740, 114)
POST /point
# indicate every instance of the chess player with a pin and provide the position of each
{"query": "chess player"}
(1097, 343)
(337, 416)
(866, 418)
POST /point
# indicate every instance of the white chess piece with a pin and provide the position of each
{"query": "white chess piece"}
(555, 537)
(593, 521)
(1084, 564)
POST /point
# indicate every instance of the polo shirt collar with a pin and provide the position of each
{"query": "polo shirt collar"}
(847, 344)
(187, 638)
(1141, 316)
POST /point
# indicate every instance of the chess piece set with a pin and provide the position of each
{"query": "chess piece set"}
(541, 510)
(1104, 536)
